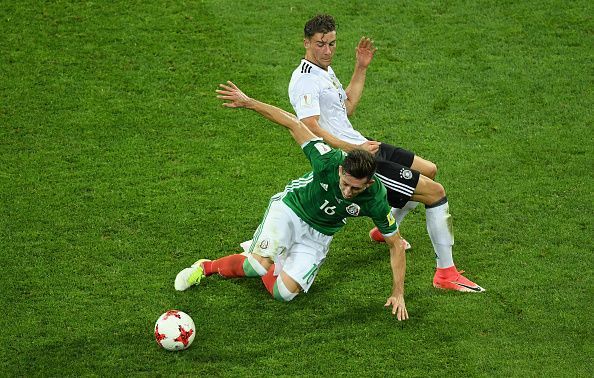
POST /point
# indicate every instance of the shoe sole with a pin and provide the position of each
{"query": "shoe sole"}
(460, 287)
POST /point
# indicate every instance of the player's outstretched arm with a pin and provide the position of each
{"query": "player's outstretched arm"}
(313, 125)
(235, 98)
(398, 264)
(363, 55)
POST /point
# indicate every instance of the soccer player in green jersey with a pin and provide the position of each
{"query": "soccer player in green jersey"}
(292, 241)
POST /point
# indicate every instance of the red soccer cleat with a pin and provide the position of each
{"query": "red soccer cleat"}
(452, 279)
(377, 236)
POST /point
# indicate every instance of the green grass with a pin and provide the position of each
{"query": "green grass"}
(119, 168)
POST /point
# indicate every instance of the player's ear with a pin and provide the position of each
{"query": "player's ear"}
(370, 182)
(306, 43)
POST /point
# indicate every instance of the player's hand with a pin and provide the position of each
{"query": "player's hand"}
(364, 52)
(371, 146)
(398, 307)
(234, 96)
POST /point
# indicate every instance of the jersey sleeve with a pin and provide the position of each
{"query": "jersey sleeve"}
(321, 155)
(381, 213)
(305, 97)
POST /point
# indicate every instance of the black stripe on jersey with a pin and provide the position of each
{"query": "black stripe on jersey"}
(305, 68)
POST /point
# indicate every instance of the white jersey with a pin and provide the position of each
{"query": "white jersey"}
(315, 92)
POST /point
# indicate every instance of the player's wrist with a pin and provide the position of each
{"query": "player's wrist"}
(361, 68)
(252, 104)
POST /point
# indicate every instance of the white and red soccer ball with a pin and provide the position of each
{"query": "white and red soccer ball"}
(175, 330)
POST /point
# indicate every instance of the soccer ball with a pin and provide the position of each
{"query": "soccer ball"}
(175, 330)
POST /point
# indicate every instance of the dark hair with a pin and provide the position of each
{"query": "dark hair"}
(322, 23)
(359, 164)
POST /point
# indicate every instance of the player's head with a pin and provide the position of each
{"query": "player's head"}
(320, 40)
(356, 173)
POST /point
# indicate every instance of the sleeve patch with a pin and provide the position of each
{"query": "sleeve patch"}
(323, 149)
(391, 219)
(305, 100)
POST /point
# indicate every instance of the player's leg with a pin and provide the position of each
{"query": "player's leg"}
(405, 166)
(438, 219)
(440, 230)
(272, 237)
(426, 167)
(299, 266)
(281, 287)
(237, 265)
(403, 185)
(400, 182)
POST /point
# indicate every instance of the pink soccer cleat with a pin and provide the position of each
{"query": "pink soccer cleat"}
(452, 279)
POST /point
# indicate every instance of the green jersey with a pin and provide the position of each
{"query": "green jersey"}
(316, 197)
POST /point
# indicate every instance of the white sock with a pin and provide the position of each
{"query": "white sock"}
(439, 227)
(399, 214)
(283, 291)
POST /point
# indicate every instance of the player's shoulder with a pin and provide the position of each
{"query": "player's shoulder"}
(307, 70)
(317, 147)
(300, 83)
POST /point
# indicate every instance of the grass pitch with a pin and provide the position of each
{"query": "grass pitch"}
(119, 168)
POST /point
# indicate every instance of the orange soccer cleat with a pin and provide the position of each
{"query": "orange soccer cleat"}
(452, 279)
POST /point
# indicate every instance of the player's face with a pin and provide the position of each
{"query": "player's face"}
(319, 49)
(350, 186)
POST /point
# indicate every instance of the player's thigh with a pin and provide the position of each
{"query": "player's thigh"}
(303, 260)
(399, 180)
(408, 159)
(396, 155)
(426, 167)
(276, 232)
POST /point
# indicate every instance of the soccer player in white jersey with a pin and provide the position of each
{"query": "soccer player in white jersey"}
(292, 241)
(323, 105)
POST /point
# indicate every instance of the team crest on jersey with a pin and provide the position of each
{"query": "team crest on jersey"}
(322, 148)
(353, 209)
(306, 100)
(406, 174)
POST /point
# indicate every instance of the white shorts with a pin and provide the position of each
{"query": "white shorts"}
(294, 246)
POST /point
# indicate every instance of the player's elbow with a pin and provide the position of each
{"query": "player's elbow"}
(350, 109)
(395, 243)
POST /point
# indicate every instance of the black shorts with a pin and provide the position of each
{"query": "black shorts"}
(393, 170)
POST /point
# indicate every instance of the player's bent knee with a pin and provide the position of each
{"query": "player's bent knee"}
(281, 292)
(437, 191)
(432, 171)
(426, 167)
